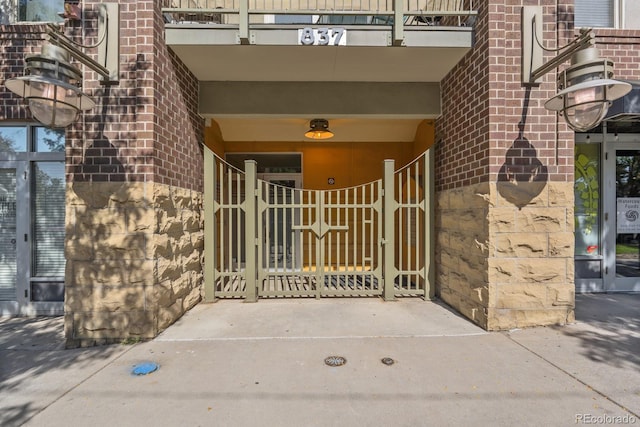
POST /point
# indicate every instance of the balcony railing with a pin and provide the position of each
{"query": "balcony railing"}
(397, 14)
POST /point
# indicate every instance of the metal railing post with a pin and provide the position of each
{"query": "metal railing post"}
(429, 231)
(250, 236)
(243, 26)
(389, 240)
(398, 23)
(209, 226)
(320, 247)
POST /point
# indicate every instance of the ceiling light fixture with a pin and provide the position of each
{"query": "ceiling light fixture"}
(319, 129)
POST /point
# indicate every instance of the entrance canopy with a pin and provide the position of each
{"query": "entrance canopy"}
(371, 68)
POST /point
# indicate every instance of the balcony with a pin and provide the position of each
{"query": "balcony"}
(320, 40)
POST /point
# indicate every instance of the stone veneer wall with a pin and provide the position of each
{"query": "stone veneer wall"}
(134, 259)
(504, 181)
(504, 268)
(134, 189)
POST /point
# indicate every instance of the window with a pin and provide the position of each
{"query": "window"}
(588, 248)
(594, 13)
(32, 214)
(19, 139)
(607, 13)
(13, 139)
(12, 11)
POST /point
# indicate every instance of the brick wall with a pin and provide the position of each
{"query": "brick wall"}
(461, 142)
(146, 128)
(484, 102)
(179, 135)
(623, 48)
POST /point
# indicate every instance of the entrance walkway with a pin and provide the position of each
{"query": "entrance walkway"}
(291, 319)
(262, 364)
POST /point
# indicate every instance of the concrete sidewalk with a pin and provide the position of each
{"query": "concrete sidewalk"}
(235, 364)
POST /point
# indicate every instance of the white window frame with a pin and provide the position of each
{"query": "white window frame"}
(619, 21)
(12, 17)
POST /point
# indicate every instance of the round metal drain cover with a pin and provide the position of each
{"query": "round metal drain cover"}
(145, 368)
(388, 361)
(335, 361)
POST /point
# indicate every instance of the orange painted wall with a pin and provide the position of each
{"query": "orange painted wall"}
(213, 139)
(425, 137)
(350, 163)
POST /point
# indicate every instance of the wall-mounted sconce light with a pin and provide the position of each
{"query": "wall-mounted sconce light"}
(51, 85)
(586, 87)
(319, 129)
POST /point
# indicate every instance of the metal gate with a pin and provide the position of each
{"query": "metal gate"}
(269, 240)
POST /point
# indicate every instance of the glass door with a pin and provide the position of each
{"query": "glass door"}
(13, 283)
(589, 227)
(624, 240)
(32, 220)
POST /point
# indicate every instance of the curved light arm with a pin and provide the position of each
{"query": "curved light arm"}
(532, 50)
(108, 64)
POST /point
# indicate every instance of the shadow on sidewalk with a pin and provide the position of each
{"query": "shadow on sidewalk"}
(613, 332)
(33, 360)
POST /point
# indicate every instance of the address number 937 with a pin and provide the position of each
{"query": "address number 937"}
(322, 36)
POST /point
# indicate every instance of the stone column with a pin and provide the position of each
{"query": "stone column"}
(504, 182)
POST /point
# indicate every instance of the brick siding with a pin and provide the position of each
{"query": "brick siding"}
(623, 48)
(146, 128)
(484, 100)
(484, 103)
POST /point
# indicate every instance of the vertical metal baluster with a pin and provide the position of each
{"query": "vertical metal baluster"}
(310, 237)
(347, 233)
(303, 233)
(224, 220)
(371, 231)
(294, 234)
(320, 273)
(379, 247)
(338, 208)
(220, 259)
(278, 233)
(268, 233)
(363, 220)
(238, 226)
(326, 212)
(229, 238)
(259, 246)
(416, 223)
(288, 218)
(239, 242)
(277, 224)
(354, 235)
(237, 213)
(366, 237)
(401, 241)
